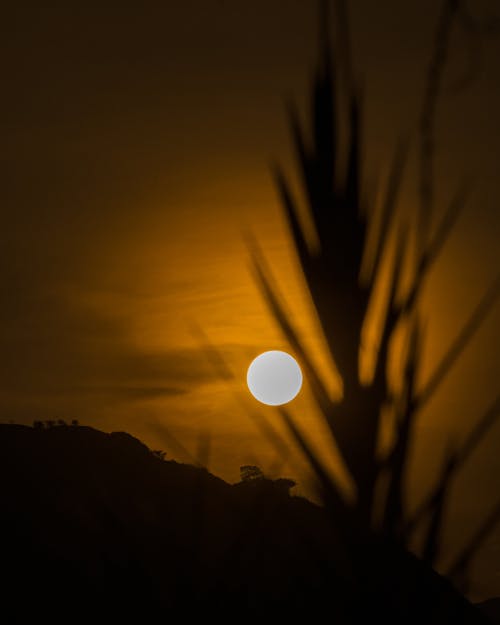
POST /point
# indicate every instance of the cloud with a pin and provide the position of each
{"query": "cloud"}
(55, 346)
(129, 393)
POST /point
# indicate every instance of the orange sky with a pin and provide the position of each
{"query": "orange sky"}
(137, 145)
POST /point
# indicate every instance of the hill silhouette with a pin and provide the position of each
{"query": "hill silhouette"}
(95, 527)
(491, 607)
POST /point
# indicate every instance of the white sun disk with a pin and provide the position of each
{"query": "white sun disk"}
(274, 378)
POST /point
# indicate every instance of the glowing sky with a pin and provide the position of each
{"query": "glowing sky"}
(136, 148)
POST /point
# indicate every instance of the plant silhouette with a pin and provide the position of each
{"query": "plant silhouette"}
(341, 276)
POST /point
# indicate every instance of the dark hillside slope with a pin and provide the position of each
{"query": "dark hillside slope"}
(491, 607)
(96, 528)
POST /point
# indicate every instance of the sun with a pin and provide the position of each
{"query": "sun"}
(274, 378)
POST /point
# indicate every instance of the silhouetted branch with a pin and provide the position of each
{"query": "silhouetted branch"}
(262, 424)
(477, 434)
(202, 453)
(292, 215)
(475, 29)
(462, 340)
(462, 561)
(269, 432)
(445, 227)
(332, 493)
(213, 355)
(432, 539)
(479, 431)
(173, 442)
(427, 118)
(270, 292)
(391, 320)
(398, 458)
(342, 35)
(434, 247)
(387, 214)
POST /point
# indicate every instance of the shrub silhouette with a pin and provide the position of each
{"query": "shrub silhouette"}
(159, 454)
(249, 472)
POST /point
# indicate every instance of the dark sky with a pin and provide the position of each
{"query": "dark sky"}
(137, 139)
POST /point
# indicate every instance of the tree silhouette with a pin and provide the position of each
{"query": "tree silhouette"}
(159, 454)
(250, 472)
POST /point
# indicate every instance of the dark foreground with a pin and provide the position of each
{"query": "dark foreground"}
(95, 528)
